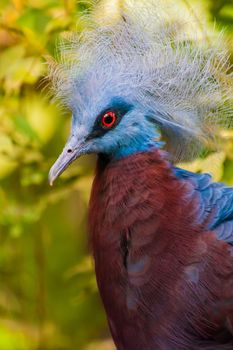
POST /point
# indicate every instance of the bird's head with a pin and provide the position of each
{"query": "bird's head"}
(129, 83)
(116, 127)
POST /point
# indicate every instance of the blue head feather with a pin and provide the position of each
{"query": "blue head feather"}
(165, 85)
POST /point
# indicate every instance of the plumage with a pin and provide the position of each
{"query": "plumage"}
(168, 273)
(162, 237)
(216, 203)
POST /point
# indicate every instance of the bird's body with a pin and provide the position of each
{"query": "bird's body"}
(161, 236)
(165, 279)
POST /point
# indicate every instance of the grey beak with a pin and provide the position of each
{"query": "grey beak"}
(70, 152)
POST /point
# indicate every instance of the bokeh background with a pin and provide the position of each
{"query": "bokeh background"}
(48, 293)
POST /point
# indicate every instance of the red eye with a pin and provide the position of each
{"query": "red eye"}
(109, 119)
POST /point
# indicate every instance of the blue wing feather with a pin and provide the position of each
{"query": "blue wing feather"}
(216, 203)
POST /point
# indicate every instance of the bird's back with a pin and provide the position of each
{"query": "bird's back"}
(165, 279)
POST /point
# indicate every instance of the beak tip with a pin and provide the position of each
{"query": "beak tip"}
(51, 178)
(68, 155)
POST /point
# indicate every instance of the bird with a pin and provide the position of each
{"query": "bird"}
(143, 98)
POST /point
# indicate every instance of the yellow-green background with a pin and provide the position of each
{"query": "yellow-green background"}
(48, 294)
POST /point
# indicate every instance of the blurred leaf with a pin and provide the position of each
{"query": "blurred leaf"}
(33, 19)
(101, 345)
(228, 172)
(11, 60)
(41, 117)
(13, 339)
(7, 166)
(23, 126)
(86, 265)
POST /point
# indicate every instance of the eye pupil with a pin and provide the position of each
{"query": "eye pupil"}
(109, 119)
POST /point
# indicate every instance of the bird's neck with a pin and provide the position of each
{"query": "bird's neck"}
(148, 139)
(135, 148)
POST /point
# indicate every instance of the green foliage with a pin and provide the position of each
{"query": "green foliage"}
(48, 293)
